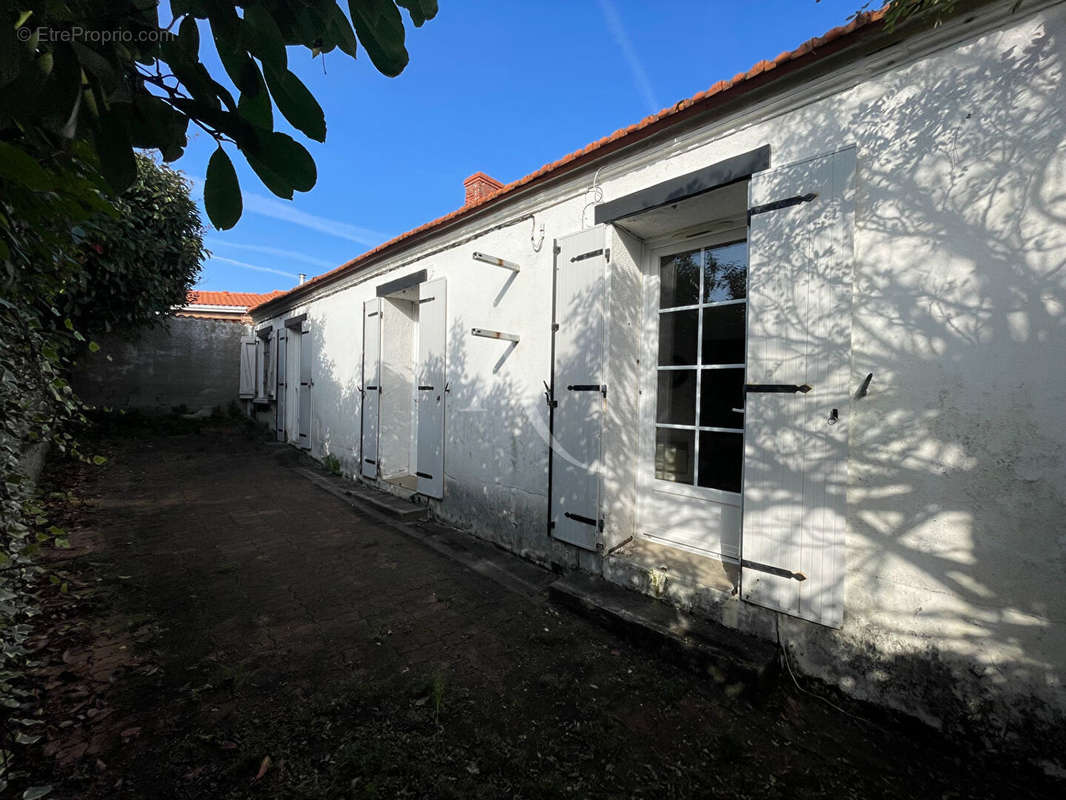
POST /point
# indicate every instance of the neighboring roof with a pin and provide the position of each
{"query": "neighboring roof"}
(243, 300)
(807, 53)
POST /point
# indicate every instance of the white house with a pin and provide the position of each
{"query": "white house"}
(798, 345)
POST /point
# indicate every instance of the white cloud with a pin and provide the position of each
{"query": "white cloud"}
(285, 211)
(256, 267)
(292, 255)
(640, 78)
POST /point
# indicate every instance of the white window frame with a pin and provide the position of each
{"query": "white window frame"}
(658, 249)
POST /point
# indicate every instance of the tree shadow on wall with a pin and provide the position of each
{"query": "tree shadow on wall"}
(956, 487)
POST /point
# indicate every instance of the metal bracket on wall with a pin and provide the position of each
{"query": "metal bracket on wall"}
(496, 262)
(487, 334)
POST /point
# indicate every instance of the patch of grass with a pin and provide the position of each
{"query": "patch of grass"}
(332, 463)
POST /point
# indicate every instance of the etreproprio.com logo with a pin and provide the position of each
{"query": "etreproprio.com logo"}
(94, 35)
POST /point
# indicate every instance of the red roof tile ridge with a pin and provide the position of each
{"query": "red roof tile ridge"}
(860, 20)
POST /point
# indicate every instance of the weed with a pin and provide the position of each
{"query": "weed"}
(436, 695)
(332, 463)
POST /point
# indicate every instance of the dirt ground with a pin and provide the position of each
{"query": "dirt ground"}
(231, 631)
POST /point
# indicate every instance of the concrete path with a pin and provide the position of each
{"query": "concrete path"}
(251, 623)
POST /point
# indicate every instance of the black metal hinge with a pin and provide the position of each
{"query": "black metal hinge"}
(777, 205)
(590, 254)
(782, 388)
(588, 387)
(778, 571)
(370, 461)
(425, 388)
(425, 475)
(598, 524)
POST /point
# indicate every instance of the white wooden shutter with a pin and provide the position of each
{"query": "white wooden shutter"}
(578, 388)
(799, 335)
(432, 376)
(305, 389)
(282, 341)
(247, 385)
(371, 384)
(271, 346)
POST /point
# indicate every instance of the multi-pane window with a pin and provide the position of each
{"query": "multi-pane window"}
(699, 418)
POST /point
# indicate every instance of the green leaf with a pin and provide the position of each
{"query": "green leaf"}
(341, 30)
(115, 150)
(275, 182)
(98, 460)
(222, 191)
(260, 32)
(189, 39)
(96, 64)
(296, 102)
(420, 10)
(156, 124)
(254, 102)
(19, 168)
(36, 792)
(287, 158)
(93, 347)
(380, 30)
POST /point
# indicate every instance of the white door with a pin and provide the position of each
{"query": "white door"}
(693, 398)
(282, 387)
(431, 377)
(371, 385)
(578, 388)
(304, 398)
(799, 349)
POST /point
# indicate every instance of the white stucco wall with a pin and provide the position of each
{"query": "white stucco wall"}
(957, 488)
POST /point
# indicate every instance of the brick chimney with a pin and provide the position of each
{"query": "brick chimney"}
(479, 186)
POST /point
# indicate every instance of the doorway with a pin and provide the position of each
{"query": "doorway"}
(692, 406)
(398, 411)
(404, 385)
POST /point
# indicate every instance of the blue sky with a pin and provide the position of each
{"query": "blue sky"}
(497, 87)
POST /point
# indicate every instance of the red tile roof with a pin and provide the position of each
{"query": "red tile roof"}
(242, 299)
(804, 55)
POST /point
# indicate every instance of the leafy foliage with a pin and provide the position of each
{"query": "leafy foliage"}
(74, 261)
(110, 74)
(137, 264)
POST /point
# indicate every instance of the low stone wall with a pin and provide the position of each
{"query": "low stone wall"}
(187, 362)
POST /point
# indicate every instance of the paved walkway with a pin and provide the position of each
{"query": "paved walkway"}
(256, 624)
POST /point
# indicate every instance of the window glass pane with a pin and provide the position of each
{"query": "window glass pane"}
(721, 390)
(721, 456)
(723, 334)
(676, 399)
(679, 280)
(677, 338)
(725, 272)
(673, 455)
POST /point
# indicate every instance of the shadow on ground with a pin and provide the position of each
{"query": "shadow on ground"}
(247, 623)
